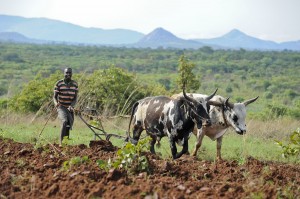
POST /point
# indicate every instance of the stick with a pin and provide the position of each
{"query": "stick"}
(55, 148)
(41, 108)
(46, 123)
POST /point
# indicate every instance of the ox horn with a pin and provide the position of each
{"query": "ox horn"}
(250, 101)
(211, 96)
(214, 103)
(227, 103)
(189, 98)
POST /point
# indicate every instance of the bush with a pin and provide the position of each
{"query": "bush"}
(293, 146)
(75, 161)
(111, 91)
(3, 103)
(268, 95)
(130, 158)
(273, 111)
(35, 93)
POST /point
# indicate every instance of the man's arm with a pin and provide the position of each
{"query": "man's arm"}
(73, 103)
(74, 100)
(55, 98)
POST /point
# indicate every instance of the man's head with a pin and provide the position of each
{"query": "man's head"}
(68, 73)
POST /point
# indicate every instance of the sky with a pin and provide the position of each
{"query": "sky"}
(275, 20)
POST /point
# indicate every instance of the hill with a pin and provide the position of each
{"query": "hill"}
(41, 30)
(58, 31)
(160, 37)
(236, 39)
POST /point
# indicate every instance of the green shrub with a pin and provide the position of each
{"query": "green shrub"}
(75, 161)
(35, 93)
(292, 148)
(3, 103)
(111, 91)
(130, 158)
(273, 111)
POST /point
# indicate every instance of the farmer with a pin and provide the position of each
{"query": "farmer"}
(65, 98)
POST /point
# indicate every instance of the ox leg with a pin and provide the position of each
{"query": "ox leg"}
(173, 148)
(219, 145)
(137, 129)
(200, 135)
(152, 144)
(185, 148)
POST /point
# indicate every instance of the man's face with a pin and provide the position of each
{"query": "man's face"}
(68, 74)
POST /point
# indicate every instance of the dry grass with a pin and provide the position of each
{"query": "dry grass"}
(259, 141)
(274, 129)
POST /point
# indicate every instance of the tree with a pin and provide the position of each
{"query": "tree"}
(186, 75)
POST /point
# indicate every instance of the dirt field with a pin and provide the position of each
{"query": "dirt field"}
(28, 172)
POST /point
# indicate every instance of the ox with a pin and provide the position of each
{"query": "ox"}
(223, 115)
(163, 116)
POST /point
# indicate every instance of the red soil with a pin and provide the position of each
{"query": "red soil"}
(28, 172)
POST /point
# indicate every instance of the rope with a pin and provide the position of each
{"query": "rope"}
(197, 115)
(223, 113)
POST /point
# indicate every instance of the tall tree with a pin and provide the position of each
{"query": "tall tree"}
(186, 75)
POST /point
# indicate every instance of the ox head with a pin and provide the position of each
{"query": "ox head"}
(199, 109)
(235, 114)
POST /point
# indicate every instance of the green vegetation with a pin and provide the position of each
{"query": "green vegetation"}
(75, 161)
(111, 91)
(186, 75)
(293, 147)
(111, 79)
(130, 158)
(258, 142)
(238, 74)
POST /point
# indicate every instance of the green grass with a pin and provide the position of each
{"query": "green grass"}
(234, 147)
(259, 142)
(21, 130)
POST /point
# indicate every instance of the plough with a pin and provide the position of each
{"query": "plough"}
(94, 129)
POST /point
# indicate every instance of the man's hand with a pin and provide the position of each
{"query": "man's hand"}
(70, 108)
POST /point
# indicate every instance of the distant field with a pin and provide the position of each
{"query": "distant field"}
(259, 142)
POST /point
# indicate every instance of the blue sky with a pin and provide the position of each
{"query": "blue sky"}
(275, 20)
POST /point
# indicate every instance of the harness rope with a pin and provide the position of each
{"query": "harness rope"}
(223, 113)
(197, 115)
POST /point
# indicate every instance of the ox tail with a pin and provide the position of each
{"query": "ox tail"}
(131, 116)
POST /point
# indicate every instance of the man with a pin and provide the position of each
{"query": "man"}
(65, 98)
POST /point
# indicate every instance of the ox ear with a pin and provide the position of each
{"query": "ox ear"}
(250, 101)
(211, 96)
(214, 103)
(228, 104)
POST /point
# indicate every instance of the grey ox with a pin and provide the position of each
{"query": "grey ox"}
(223, 115)
(163, 116)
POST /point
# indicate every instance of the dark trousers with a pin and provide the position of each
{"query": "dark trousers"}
(67, 119)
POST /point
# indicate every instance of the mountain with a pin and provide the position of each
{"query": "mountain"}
(161, 38)
(16, 37)
(291, 45)
(54, 30)
(236, 39)
(42, 30)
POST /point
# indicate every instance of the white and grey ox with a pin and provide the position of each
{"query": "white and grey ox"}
(223, 115)
(164, 116)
